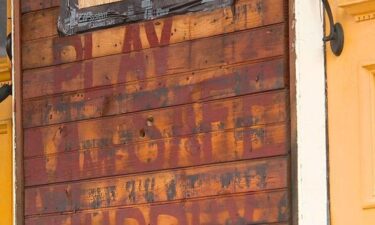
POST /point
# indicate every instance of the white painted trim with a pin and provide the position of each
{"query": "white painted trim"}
(311, 114)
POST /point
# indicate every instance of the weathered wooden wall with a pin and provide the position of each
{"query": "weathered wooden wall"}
(181, 120)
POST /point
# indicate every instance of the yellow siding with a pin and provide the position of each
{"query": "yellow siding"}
(351, 86)
(6, 187)
(6, 171)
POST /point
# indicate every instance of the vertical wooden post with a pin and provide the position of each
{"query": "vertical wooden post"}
(17, 116)
(293, 115)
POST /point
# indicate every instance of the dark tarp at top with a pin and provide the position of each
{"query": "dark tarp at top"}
(74, 20)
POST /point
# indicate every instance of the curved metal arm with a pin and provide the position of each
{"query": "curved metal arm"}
(336, 32)
(5, 91)
(9, 46)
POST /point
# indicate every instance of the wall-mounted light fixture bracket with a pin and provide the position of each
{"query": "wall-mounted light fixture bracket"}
(5, 91)
(336, 33)
(9, 46)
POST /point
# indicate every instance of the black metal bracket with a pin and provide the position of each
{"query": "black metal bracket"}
(5, 91)
(9, 46)
(336, 33)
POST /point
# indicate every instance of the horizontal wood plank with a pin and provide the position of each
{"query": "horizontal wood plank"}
(156, 93)
(258, 209)
(196, 118)
(231, 145)
(197, 182)
(156, 62)
(138, 36)
(34, 5)
(158, 122)
(247, 16)
(39, 24)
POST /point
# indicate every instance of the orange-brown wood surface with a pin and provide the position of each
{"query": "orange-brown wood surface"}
(91, 3)
(40, 24)
(206, 148)
(156, 93)
(187, 57)
(161, 186)
(182, 120)
(34, 5)
(56, 50)
(246, 15)
(261, 209)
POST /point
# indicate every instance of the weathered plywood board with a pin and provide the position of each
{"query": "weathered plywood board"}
(130, 11)
(197, 182)
(151, 63)
(246, 15)
(180, 120)
(200, 149)
(40, 24)
(261, 208)
(163, 123)
(34, 5)
(56, 50)
(158, 93)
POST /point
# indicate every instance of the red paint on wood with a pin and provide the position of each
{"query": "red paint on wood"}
(194, 150)
(249, 209)
(153, 94)
(171, 122)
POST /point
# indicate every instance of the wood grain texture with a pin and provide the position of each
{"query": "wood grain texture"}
(39, 24)
(18, 148)
(248, 14)
(75, 220)
(163, 123)
(201, 149)
(150, 34)
(181, 120)
(197, 182)
(154, 63)
(34, 5)
(156, 93)
(260, 208)
(91, 3)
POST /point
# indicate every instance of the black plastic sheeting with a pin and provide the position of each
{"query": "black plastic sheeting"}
(74, 20)
(3, 27)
